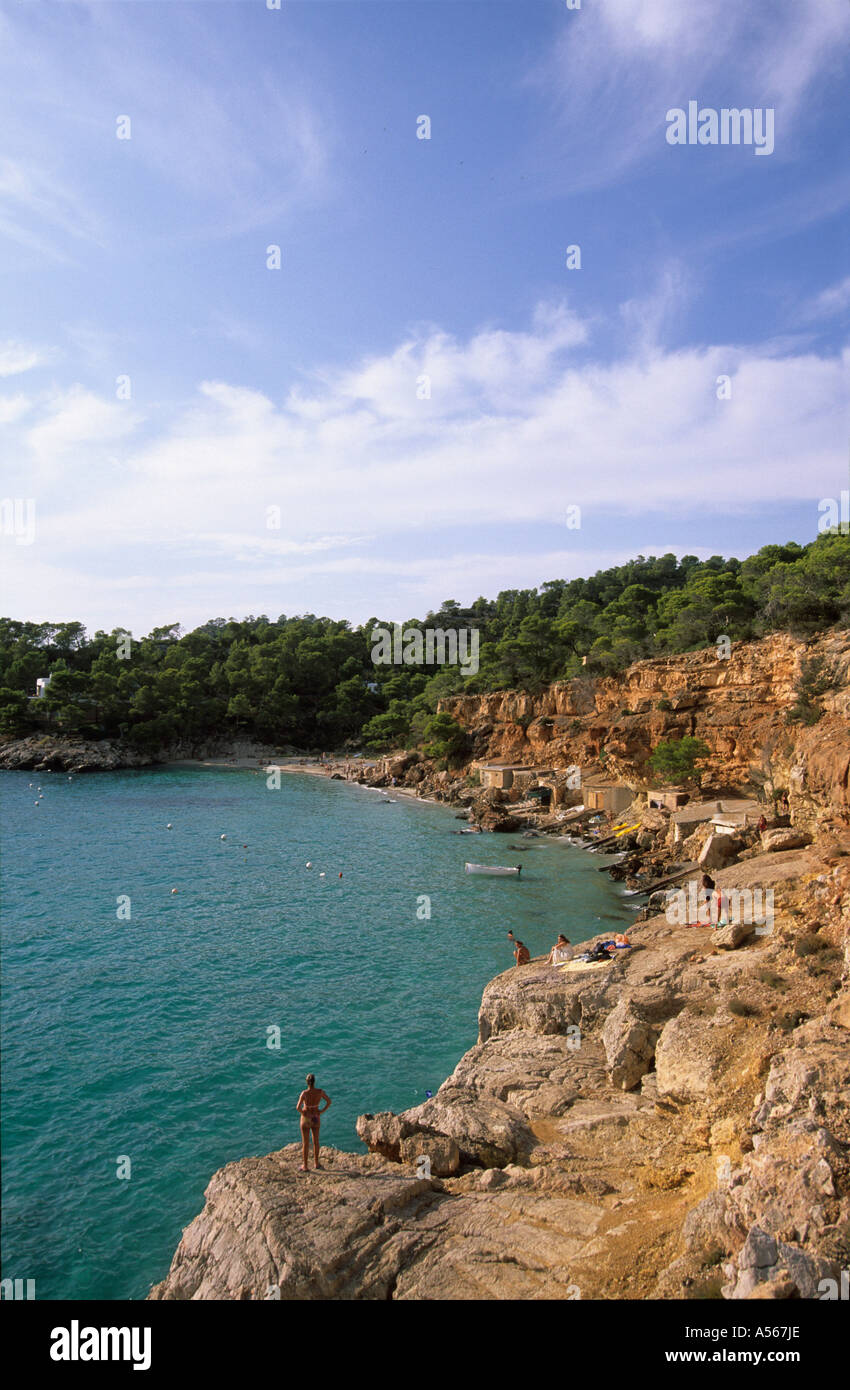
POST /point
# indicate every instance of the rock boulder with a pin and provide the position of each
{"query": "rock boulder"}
(687, 1058)
(775, 840)
(630, 1038)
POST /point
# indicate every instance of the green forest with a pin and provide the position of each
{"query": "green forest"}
(310, 682)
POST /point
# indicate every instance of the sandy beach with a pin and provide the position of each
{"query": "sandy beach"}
(312, 768)
(255, 764)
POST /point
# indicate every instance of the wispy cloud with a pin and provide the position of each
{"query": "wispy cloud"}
(237, 164)
(41, 210)
(19, 357)
(830, 303)
(619, 65)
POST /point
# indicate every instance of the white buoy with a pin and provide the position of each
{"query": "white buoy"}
(308, 865)
(223, 837)
(169, 826)
(174, 890)
(321, 875)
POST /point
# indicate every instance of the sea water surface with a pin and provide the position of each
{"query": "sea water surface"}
(139, 1024)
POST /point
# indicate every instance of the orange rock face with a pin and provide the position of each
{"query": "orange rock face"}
(738, 705)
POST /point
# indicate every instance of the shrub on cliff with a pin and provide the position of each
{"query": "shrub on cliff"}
(815, 679)
(676, 760)
(445, 739)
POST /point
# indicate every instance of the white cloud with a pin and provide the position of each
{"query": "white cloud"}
(13, 407)
(494, 370)
(17, 357)
(75, 422)
(516, 431)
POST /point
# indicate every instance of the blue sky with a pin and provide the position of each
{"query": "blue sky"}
(302, 388)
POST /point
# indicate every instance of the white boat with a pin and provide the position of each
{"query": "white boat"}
(494, 869)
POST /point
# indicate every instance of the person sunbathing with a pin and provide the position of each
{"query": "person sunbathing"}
(559, 952)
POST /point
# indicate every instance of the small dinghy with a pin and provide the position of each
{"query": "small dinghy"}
(498, 869)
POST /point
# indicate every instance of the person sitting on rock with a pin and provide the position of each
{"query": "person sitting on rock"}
(522, 955)
(559, 953)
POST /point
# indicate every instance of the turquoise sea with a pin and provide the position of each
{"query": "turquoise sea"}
(146, 1038)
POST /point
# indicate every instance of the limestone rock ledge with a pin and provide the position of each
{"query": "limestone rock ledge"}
(363, 1228)
(674, 1124)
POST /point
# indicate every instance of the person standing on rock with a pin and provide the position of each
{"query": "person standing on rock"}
(308, 1107)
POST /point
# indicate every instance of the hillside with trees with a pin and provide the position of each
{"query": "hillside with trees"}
(310, 681)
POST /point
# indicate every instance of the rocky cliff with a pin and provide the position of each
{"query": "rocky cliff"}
(51, 753)
(673, 1123)
(738, 704)
(68, 753)
(608, 726)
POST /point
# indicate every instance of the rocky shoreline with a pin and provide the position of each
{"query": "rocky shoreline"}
(674, 1124)
(58, 753)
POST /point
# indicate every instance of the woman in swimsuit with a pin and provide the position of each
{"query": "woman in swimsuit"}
(308, 1107)
(559, 952)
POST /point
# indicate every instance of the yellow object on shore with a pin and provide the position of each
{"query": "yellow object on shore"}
(628, 828)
